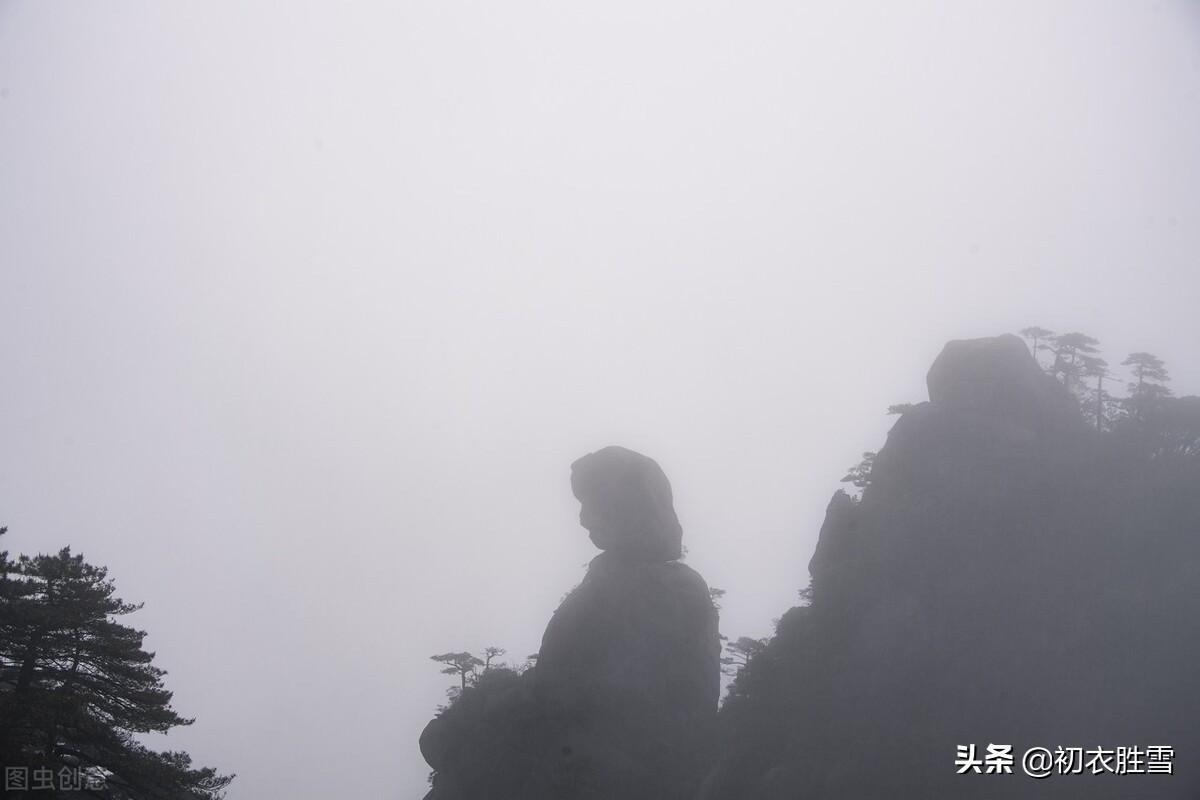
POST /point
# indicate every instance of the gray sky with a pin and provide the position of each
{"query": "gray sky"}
(308, 307)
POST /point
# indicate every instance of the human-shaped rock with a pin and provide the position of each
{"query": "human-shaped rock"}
(622, 702)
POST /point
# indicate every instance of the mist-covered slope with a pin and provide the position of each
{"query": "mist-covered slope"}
(1009, 576)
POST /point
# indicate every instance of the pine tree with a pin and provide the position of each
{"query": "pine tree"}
(1149, 384)
(78, 686)
(465, 665)
(1099, 409)
(739, 653)
(1070, 353)
(1147, 368)
(1037, 337)
(859, 476)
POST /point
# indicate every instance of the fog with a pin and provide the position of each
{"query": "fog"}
(308, 308)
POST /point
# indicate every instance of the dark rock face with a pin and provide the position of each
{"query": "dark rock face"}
(999, 379)
(631, 658)
(1008, 577)
(627, 506)
(622, 702)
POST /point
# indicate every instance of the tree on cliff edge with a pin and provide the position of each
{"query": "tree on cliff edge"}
(1070, 353)
(859, 476)
(78, 687)
(1037, 337)
(464, 665)
(739, 653)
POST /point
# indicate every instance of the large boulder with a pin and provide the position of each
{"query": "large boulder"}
(998, 377)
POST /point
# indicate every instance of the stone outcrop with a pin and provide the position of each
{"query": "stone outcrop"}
(1008, 576)
(998, 379)
(622, 702)
(626, 505)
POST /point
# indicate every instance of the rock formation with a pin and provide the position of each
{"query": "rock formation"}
(622, 702)
(998, 380)
(1009, 576)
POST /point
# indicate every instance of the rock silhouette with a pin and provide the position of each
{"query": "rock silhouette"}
(626, 505)
(1009, 576)
(622, 702)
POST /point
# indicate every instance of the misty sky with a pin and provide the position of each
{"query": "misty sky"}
(307, 307)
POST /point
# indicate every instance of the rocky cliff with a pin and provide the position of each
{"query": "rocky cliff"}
(1009, 576)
